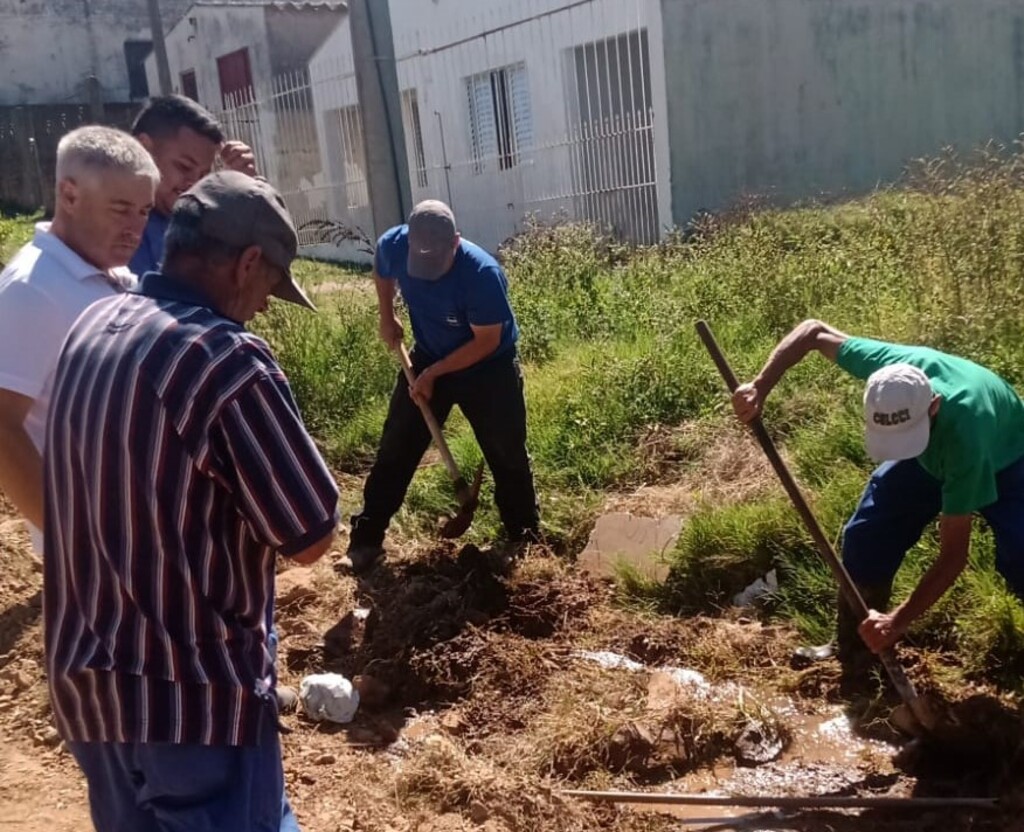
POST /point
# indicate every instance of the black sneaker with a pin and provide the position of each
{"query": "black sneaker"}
(364, 557)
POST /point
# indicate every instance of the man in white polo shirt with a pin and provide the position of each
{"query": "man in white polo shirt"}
(106, 181)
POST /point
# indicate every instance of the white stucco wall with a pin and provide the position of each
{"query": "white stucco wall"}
(49, 47)
(492, 205)
(207, 33)
(796, 98)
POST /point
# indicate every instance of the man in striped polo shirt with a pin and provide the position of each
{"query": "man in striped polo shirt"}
(177, 467)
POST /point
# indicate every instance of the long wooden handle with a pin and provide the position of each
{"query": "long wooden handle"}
(847, 587)
(428, 416)
(846, 584)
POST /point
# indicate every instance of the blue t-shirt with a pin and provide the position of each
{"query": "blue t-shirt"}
(150, 254)
(473, 292)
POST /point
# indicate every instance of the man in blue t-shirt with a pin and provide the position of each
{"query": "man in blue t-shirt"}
(465, 354)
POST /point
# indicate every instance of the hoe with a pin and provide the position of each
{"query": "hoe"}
(917, 706)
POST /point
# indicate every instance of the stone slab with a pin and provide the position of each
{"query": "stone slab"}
(640, 542)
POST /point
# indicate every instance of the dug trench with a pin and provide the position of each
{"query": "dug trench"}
(488, 691)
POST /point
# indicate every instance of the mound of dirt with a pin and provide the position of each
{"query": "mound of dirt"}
(426, 628)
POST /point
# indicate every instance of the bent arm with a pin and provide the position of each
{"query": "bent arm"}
(748, 399)
(791, 350)
(386, 290)
(954, 547)
(484, 342)
(21, 465)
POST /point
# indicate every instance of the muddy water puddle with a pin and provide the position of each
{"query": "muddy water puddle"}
(825, 757)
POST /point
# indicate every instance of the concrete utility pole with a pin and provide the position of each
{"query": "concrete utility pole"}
(156, 27)
(387, 163)
(94, 92)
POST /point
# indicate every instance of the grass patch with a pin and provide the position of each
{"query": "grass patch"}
(610, 355)
(611, 360)
(15, 231)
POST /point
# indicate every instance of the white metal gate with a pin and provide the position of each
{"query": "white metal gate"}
(536, 108)
(306, 130)
(529, 108)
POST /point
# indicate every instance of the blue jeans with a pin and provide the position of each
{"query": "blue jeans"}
(901, 499)
(288, 822)
(161, 787)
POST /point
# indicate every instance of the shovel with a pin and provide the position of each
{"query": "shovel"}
(904, 687)
(468, 496)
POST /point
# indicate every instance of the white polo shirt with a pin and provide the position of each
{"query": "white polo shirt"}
(42, 292)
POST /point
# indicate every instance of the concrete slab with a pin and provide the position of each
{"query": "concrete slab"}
(640, 542)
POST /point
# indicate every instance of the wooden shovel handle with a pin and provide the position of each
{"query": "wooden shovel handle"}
(847, 587)
(428, 416)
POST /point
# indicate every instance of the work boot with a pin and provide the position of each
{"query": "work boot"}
(363, 557)
(853, 654)
(517, 544)
(365, 547)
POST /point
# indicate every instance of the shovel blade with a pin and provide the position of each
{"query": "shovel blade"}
(469, 498)
(456, 525)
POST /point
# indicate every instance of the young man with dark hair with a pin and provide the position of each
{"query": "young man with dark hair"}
(184, 139)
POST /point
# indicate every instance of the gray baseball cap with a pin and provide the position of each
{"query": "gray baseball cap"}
(432, 234)
(242, 211)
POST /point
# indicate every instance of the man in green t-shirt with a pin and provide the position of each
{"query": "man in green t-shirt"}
(950, 435)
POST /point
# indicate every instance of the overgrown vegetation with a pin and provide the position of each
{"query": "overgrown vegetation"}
(14, 233)
(610, 354)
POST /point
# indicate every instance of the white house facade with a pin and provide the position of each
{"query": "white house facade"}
(50, 48)
(512, 109)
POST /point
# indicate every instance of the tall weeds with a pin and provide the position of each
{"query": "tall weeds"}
(609, 349)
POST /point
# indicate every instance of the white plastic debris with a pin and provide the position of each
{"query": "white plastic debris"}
(758, 589)
(609, 660)
(687, 678)
(329, 696)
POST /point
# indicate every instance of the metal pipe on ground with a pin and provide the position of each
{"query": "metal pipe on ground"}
(789, 802)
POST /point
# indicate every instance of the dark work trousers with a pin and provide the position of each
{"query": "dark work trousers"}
(901, 499)
(490, 395)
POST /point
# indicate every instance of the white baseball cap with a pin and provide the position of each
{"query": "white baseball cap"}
(896, 403)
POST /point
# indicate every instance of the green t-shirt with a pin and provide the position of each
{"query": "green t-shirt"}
(978, 431)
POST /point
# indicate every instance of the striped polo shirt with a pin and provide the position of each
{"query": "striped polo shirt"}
(177, 466)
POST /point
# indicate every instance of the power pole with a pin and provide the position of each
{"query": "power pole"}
(156, 27)
(387, 163)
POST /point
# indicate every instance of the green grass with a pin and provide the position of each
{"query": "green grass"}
(15, 231)
(609, 351)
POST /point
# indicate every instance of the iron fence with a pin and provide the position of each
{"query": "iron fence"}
(549, 115)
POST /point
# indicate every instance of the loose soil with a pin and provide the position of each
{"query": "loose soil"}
(482, 699)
